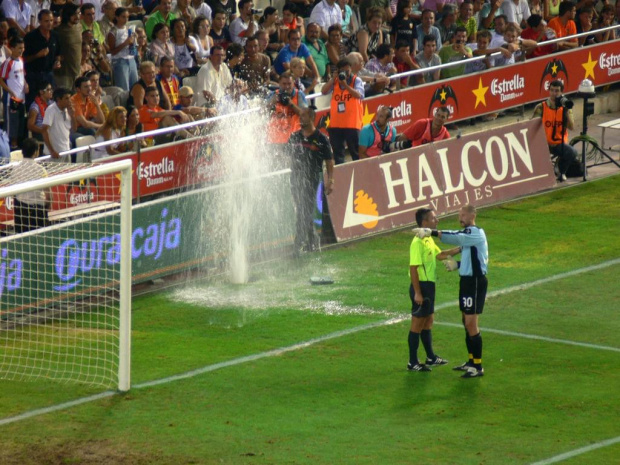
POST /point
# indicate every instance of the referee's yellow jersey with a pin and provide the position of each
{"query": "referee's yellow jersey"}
(423, 253)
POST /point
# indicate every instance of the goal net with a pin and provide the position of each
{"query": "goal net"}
(65, 272)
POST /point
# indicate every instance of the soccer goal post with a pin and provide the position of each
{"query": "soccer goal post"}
(65, 272)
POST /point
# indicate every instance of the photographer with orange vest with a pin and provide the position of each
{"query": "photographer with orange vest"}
(286, 104)
(345, 115)
(557, 118)
(376, 137)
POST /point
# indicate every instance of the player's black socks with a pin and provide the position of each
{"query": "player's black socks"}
(414, 343)
(427, 342)
(469, 347)
(476, 347)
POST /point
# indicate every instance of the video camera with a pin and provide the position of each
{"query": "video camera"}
(564, 102)
(284, 98)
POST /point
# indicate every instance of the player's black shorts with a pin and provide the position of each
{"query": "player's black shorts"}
(472, 294)
(428, 293)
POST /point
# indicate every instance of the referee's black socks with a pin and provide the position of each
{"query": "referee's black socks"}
(427, 342)
(476, 349)
(414, 343)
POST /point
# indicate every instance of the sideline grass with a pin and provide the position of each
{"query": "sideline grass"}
(349, 400)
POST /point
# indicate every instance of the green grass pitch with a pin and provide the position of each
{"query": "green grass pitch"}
(551, 357)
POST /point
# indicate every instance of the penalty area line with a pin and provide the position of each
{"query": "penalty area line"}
(580, 451)
(303, 345)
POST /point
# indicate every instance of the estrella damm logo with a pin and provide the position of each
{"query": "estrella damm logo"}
(555, 69)
(444, 96)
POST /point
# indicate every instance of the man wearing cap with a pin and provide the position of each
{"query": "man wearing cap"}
(186, 96)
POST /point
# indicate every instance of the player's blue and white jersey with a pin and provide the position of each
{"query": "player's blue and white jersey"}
(475, 253)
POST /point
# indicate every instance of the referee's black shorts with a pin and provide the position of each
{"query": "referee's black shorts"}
(428, 294)
(472, 294)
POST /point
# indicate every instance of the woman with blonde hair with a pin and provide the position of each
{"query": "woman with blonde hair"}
(113, 128)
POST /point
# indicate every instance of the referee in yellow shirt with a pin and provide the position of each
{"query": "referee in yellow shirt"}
(423, 256)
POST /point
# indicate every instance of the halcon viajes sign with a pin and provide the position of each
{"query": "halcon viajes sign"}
(382, 193)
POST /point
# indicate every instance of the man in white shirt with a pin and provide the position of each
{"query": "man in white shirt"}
(19, 15)
(37, 5)
(325, 14)
(244, 26)
(517, 12)
(213, 78)
(58, 124)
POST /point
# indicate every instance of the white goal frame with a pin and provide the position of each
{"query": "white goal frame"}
(124, 167)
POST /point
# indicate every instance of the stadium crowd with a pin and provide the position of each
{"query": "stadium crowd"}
(117, 67)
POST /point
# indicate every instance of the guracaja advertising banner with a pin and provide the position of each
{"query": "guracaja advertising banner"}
(499, 88)
(381, 193)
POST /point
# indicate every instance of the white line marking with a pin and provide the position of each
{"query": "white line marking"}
(576, 452)
(303, 345)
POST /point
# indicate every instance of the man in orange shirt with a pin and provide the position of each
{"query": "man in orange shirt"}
(152, 116)
(426, 130)
(88, 113)
(564, 26)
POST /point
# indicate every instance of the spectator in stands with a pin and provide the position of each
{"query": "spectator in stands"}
(255, 67)
(56, 7)
(403, 62)
(584, 24)
(184, 49)
(244, 25)
(107, 21)
(454, 52)
(70, 46)
(168, 81)
(137, 95)
(538, 31)
(290, 22)
(497, 34)
(88, 113)
(271, 24)
(366, 5)
(113, 128)
(18, 14)
(161, 46)
(489, 12)
(36, 7)
(536, 7)
(447, 25)
(96, 56)
(515, 47)
(336, 50)
(564, 26)
(234, 100)
(163, 15)
(219, 31)
(466, 19)
(517, 12)
(374, 83)
(234, 57)
(382, 62)
(142, 46)
(227, 6)
(185, 11)
(88, 22)
(214, 78)
(427, 27)
(152, 116)
(551, 9)
(481, 48)
(134, 126)
(97, 92)
(375, 135)
(121, 43)
(370, 35)
(201, 39)
(557, 121)
(428, 58)
(58, 123)
(136, 9)
(294, 49)
(605, 19)
(317, 48)
(345, 115)
(186, 96)
(298, 69)
(41, 54)
(285, 105)
(427, 130)
(403, 28)
(349, 26)
(37, 109)
(326, 13)
(13, 82)
(202, 9)
(30, 208)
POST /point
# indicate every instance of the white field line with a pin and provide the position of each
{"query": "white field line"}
(303, 345)
(581, 450)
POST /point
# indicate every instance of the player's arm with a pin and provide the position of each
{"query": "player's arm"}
(448, 253)
(415, 282)
(468, 237)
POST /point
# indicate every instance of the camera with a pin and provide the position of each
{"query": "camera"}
(342, 76)
(95, 43)
(565, 102)
(458, 41)
(257, 11)
(284, 98)
(395, 146)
